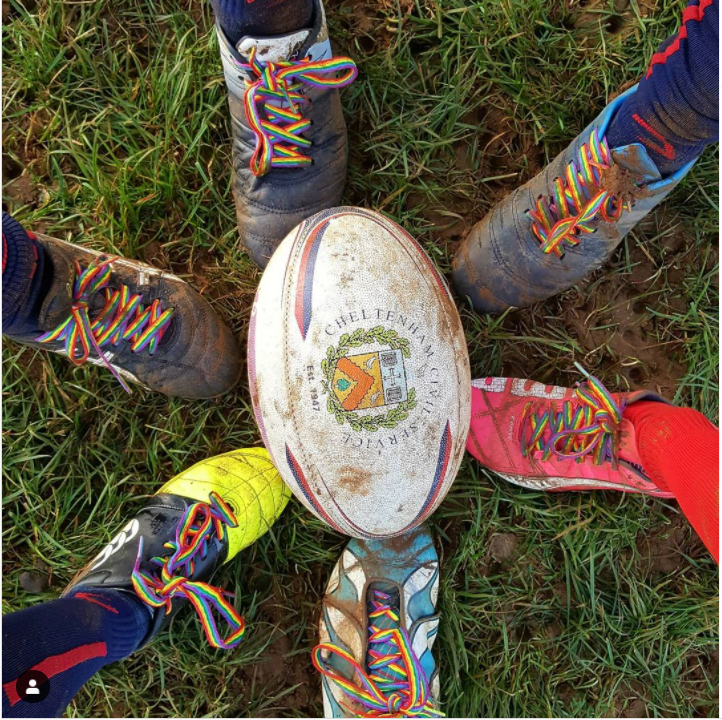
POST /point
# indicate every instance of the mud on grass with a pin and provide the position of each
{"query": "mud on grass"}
(115, 134)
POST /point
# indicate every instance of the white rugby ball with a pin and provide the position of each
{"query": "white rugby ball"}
(359, 373)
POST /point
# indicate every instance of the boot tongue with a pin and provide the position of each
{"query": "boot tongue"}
(59, 298)
(312, 43)
(273, 49)
(635, 159)
(296, 46)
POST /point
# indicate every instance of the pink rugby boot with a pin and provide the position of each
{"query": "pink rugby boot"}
(545, 437)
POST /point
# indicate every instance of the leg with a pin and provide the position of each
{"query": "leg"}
(565, 439)
(142, 324)
(289, 158)
(263, 17)
(675, 111)
(565, 222)
(67, 640)
(158, 564)
(23, 271)
(679, 448)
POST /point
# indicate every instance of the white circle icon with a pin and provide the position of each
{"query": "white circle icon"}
(32, 690)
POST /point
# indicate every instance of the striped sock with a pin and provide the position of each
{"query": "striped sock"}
(675, 112)
(68, 640)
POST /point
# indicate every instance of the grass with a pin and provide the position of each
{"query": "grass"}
(115, 135)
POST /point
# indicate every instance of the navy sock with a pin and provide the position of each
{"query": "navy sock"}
(675, 111)
(25, 276)
(68, 640)
(262, 17)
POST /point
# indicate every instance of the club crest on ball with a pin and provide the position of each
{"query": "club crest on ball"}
(364, 381)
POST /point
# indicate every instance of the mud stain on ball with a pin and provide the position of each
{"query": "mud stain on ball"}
(355, 480)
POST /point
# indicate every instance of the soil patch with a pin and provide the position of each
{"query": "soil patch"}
(617, 18)
(366, 21)
(500, 555)
(503, 546)
(36, 581)
(666, 549)
(618, 318)
(21, 190)
(280, 667)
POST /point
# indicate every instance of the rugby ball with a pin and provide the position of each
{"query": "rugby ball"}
(359, 373)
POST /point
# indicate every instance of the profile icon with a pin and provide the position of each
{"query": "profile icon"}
(32, 686)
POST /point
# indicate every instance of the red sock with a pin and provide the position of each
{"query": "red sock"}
(679, 448)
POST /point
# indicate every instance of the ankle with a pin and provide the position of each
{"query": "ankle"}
(239, 18)
(27, 275)
(636, 122)
(667, 435)
(125, 619)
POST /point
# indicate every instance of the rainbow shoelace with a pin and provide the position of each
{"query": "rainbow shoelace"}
(588, 425)
(123, 318)
(578, 199)
(395, 684)
(279, 136)
(200, 523)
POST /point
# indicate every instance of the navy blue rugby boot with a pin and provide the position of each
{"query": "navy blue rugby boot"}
(289, 135)
(144, 325)
(564, 223)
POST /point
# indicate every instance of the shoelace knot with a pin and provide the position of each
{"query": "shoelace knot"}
(123, 318)
(199, 525)
(578, 199)
(401, 690)
(589, 424)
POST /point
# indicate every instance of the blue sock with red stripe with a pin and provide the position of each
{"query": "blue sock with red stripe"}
(675, 111)
(68, 640)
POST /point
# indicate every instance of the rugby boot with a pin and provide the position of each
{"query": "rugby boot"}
(145, 325)
(378, 627)
(563, 224)
(198, 521)
(289, 135)
(545, 437)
